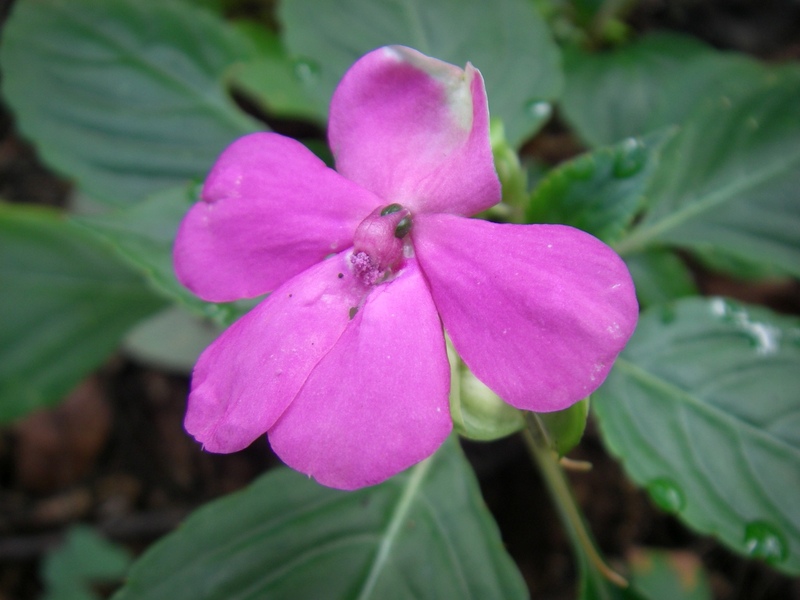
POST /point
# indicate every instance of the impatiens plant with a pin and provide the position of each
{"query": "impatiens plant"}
(344, 363)
(353, 247)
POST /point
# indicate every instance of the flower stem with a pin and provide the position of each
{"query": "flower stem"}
(568, 510)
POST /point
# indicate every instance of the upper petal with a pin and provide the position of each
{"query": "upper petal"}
(415, 130)
(378, 402)
(245, 380)
(270, 210)
(537, 312)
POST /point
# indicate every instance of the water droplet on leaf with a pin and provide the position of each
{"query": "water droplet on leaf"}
(306, 70)
(765, 542)
(765, 338)
(667, 495)
(630, 158)
(539, 109)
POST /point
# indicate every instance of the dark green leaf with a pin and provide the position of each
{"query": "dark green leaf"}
(611, 95)
(274, 81)
(84, 559)
(66, 303)
(647, 85)
(599, 192)
(729, 179)
(423, 534)
(144, 233)
(171, 339)
(507, 40)
(702, 408)
(127, 97)
(720, 260)
(660, 276)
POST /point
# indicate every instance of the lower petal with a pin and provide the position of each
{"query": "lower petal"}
(378, 402)
(537, 312)
(244, 381)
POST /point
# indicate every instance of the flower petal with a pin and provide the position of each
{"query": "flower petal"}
(245, 380)
(537, 312)
(378, 402)
(415, 130)
(271, 209)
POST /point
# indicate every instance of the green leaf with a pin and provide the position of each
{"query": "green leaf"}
(660, 276)
(66, 303)
(125, 96)
(649, 84)
(664, 575)
(729, 179)
(719, 260)
(144, 233)
(612, 95)
(599, 192)
(172, 339)
(507, 40)
(85, 558)
(702, 408)
(275, 82)
(423, 534)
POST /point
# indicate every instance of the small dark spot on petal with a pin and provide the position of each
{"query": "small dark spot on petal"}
(353, 311)
(290, 295)
(340, 275)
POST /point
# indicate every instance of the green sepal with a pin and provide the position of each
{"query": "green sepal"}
(477, 412)
(565, 427)
(509, 170)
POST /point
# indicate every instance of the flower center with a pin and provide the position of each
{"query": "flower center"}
(380, 242)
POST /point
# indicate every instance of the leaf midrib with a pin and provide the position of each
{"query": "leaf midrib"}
(641, 237)
(392, 530)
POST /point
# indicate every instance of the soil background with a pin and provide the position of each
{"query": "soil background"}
(114, 455)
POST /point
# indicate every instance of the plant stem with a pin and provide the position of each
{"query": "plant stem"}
(569, 511)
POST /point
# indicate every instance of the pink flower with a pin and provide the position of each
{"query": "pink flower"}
(344, 365)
